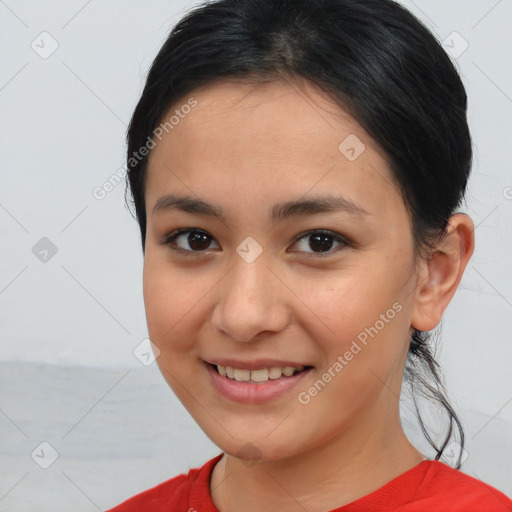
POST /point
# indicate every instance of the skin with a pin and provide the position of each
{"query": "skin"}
(245, 148)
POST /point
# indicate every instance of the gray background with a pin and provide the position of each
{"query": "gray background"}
(70, 323)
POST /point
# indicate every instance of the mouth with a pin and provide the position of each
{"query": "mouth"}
(256, 385)
(260, 375)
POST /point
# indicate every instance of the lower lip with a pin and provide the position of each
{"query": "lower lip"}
(252, 392)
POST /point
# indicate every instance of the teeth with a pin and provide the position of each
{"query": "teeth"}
(275, 372)
(288, 371)
(243, 375)
(259, 375)
(262, 375)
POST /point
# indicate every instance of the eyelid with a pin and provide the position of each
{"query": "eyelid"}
(344, 241)
(170, 237)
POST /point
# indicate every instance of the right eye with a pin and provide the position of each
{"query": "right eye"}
(193, 241)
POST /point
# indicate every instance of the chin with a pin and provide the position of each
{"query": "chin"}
(257, 447)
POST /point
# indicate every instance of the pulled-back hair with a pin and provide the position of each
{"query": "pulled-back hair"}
(377, 62)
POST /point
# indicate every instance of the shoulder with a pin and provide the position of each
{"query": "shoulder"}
(457, 491)
(173, 494)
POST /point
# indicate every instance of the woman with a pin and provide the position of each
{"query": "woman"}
(296, 168)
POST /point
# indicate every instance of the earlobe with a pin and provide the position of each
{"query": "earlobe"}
(441, 274)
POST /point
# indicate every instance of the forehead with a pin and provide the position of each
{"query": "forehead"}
(251, 142)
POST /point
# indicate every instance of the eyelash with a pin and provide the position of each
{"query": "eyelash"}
(169, 239)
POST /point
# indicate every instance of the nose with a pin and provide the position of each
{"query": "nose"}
(252, 300)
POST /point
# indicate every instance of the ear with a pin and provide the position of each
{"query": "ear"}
(440, 276)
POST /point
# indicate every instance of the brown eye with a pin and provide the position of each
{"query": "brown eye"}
(188, 241)
(320, 242)
(195, 241)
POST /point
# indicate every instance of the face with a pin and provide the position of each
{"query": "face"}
(294, 250)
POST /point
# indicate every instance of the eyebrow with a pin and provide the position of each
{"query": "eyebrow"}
(315, 205)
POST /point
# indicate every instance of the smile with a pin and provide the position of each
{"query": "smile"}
(262, 375)
(258, 385)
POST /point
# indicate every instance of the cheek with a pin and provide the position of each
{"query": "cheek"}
(171, 300)
(367, 317)
(344, 305)
(361, 335)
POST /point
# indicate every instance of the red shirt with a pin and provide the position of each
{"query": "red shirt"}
(431, 486)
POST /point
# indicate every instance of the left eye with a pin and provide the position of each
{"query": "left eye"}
(321, 240)
(198, 241)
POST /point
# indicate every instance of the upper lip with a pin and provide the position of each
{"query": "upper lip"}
(256, 364)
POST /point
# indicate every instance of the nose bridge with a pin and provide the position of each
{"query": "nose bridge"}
(250, 301)
(250, 274)
(250, 280)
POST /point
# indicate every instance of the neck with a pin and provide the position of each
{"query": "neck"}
(328, 476)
